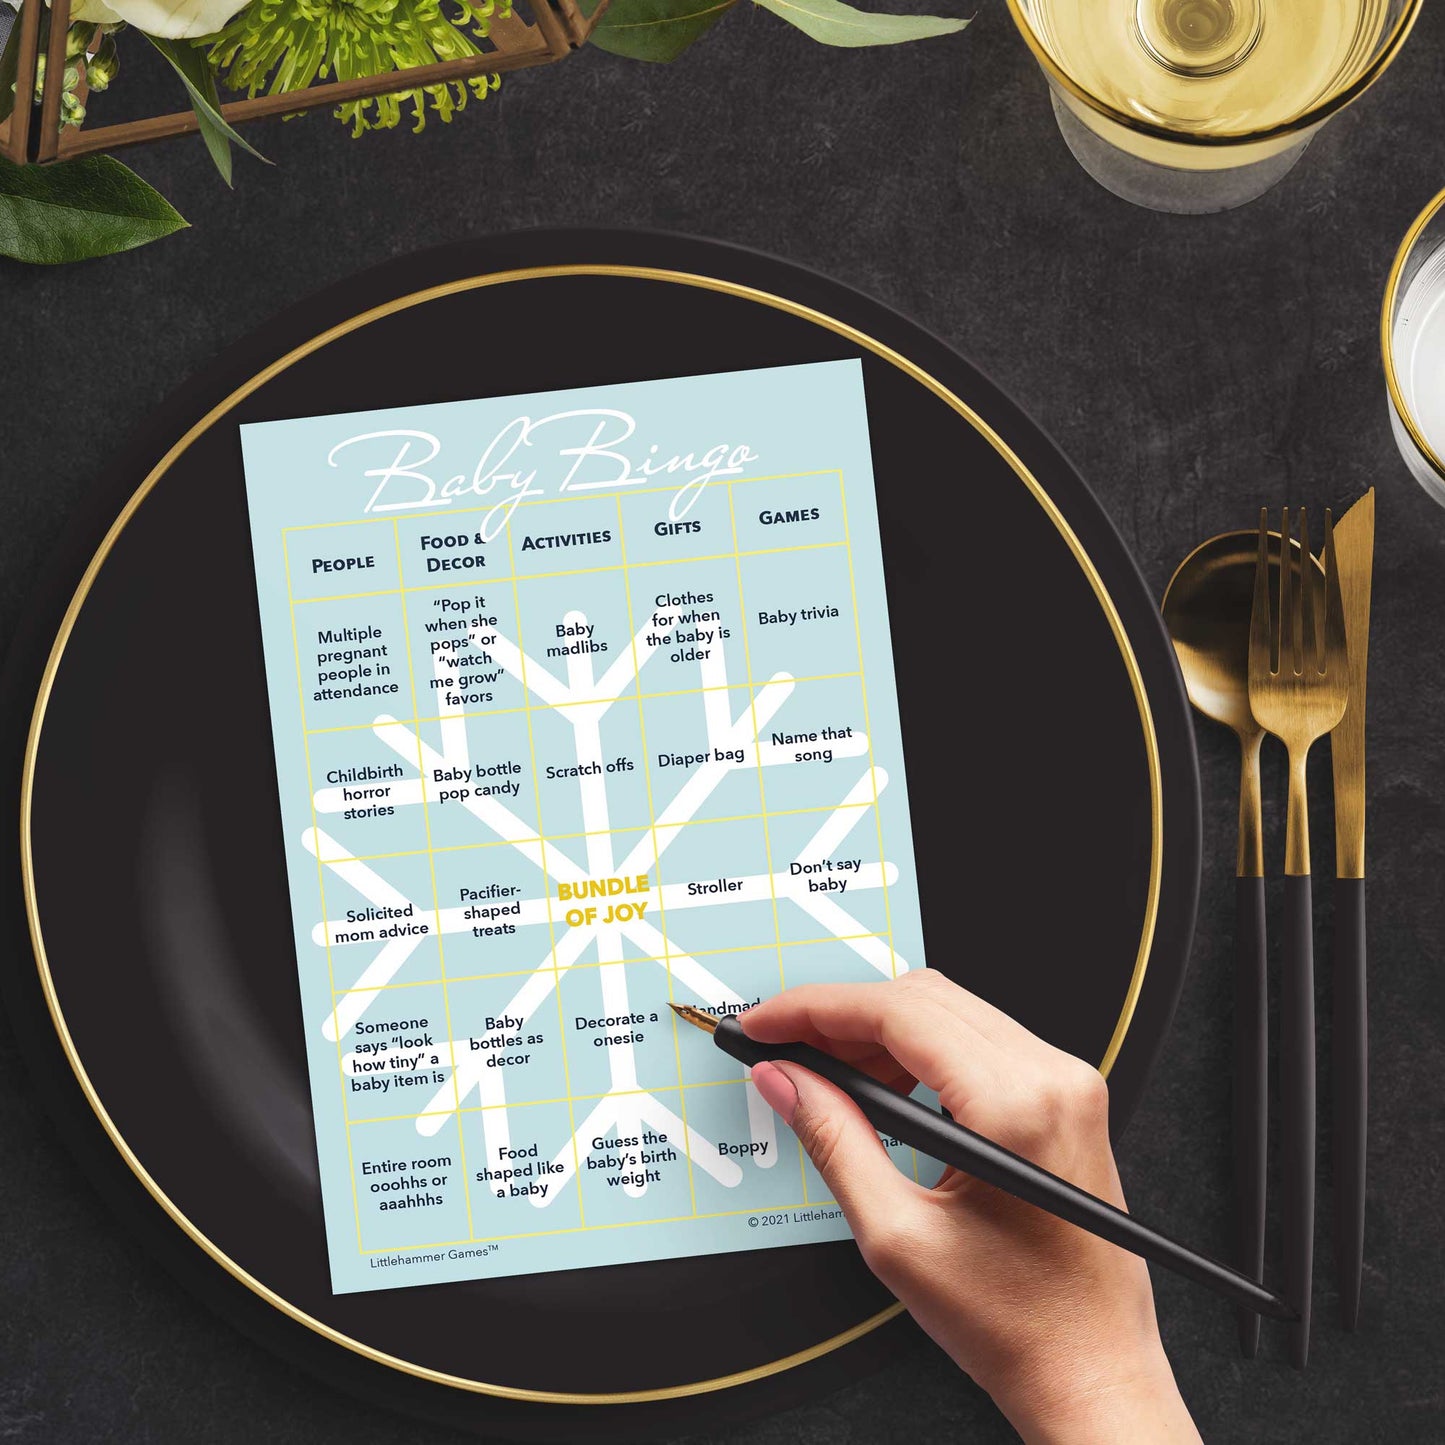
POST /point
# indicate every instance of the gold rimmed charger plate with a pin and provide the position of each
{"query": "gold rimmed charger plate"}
(169, 1007)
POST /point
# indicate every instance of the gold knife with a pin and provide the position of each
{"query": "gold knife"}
(1354, 549)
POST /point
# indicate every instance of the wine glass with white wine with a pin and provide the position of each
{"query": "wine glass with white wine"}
(1412, 337)
(1202, 105)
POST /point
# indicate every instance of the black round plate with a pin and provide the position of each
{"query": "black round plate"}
(1056, 827)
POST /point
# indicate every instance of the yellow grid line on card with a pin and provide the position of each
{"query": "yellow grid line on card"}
(868, 726)
(640, 958)
(872, 772)
(755, 1209)
(436, 901)
(629, 962)
(757, 742)
(758, 755)
(628, 827)
(578, 495)
(321, 888)
(547, 884)
(574, 702)
(363, 596)
(568, 572)
(656, 856)
(638, 1092)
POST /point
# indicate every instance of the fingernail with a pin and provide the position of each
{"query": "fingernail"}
(777, 1089)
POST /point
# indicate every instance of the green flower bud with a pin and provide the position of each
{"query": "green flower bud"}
(103, 66)
(72, 77)
(39, 78)
(72, 112)
(77, 40)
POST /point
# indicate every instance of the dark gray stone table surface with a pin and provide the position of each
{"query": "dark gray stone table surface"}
(1192, 368)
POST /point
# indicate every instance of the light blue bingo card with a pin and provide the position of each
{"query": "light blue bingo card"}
(582, 702)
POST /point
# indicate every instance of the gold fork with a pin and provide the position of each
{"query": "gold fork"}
(1298, 688)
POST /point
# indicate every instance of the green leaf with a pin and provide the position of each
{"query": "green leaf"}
(835, 23)
(200, 82)
(78, 209)
(656, 29)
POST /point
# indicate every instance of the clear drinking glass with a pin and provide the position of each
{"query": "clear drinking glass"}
(1201, 105)
(1412, 338)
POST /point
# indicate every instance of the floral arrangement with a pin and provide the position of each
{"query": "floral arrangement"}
(95, 206)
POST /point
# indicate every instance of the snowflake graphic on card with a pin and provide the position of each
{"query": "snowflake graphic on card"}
(567, 871)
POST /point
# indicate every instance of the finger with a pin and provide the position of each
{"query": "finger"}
(844, 1149)
(870, 1059)
(904, 1016)
(873, 1059)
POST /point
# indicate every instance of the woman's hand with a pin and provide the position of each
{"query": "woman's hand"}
(1056, 1325)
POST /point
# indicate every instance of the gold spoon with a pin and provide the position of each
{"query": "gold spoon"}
(1207, 608)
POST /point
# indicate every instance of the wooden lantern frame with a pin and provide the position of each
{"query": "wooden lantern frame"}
(557, 28)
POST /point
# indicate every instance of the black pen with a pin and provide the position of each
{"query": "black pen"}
(939, 1137)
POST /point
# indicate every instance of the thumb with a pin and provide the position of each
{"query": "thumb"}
(843, 1145)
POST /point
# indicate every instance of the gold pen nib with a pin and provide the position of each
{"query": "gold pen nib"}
(695, 1016)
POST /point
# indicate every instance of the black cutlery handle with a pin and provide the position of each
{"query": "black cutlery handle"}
(1297, 1107)
(1351, 1069)
(1251, 1093)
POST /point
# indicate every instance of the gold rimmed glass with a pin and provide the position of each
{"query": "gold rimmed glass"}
(1412, 339)
(1202, 105)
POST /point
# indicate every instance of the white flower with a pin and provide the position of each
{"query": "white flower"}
(172, 19)
(93, 12)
